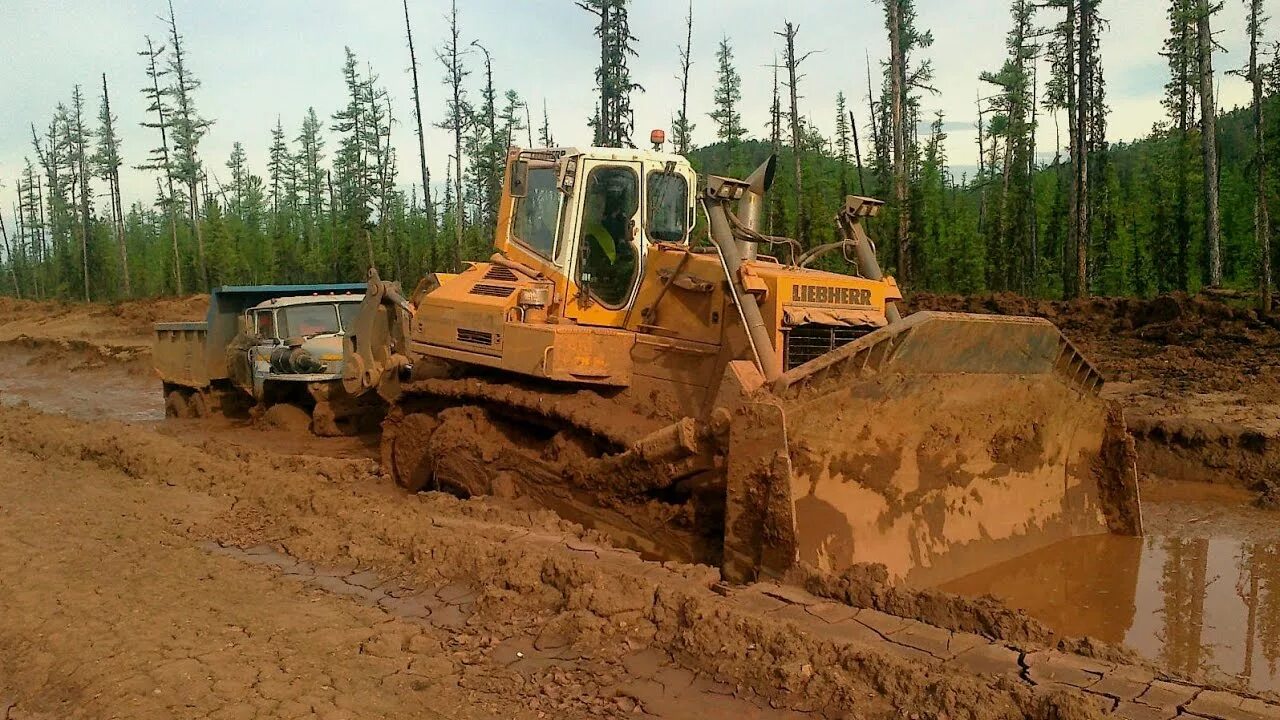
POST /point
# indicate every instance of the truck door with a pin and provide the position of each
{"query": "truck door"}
(609, 242)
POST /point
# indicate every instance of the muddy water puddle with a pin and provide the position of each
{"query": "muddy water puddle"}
(89, 393)
(1199, 594)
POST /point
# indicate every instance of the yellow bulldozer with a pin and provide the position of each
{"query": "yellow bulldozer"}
(724, 405)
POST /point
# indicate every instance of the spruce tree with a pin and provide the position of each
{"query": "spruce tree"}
(613, 120)
(107, 162)
(189, 128)
(681, 127)
(728, 97)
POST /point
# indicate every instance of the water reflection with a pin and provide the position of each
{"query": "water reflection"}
(1193, 604)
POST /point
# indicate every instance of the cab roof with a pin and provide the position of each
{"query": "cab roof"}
(309, 300)
(611, 153)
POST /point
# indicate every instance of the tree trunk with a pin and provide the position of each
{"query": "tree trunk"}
(1209, 145)
(897, 93)
(1084, 94)
(117, 214)
(1261, 222)
(417, 109)
(797, 139)
(8, 256)
(857, 155)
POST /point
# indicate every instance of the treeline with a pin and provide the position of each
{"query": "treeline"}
(1184, 208)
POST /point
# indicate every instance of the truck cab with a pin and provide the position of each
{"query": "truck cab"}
(298, 339)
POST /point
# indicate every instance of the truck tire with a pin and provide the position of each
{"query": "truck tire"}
(198, 406)
(175, 406)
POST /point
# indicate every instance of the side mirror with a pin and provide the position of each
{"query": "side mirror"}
(520, 179)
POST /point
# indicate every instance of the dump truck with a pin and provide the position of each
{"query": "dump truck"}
(726, 402)
(262, 345)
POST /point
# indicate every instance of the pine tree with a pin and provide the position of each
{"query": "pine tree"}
(728, 97)
(903, 78)
(613, 121)
(188, 130)
(160, 158)
(107, 162)
(1261, 217)
(842, 142)
(791, 62)
(1012, 107)
(1180, 100)
(458, 111)
(1209, 140)
(77, 143)
(417, 112)
(544, 133)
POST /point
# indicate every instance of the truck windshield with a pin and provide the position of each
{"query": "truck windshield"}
(307, 320)
(349, 312)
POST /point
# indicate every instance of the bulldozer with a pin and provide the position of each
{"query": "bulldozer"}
(723, 401)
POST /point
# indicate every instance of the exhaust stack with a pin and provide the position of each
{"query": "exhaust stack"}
(751, 206)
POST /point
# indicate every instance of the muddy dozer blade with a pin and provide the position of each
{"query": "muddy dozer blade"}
(943, 444)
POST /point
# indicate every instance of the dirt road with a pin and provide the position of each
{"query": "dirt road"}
(161, 568)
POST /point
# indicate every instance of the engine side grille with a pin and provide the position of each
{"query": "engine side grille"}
(475, 337)
(497, 272)
(498, 291)
(806, 342)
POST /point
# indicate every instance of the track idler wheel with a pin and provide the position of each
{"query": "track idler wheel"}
(405, 449)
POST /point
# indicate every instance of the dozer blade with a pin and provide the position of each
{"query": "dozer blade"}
(946, 443)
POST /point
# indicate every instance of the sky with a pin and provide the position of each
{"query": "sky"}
(266, 59)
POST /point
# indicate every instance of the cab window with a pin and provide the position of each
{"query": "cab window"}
(609, 256)
(348, 312)
(668, 196)
(537, 214)
(265, 324)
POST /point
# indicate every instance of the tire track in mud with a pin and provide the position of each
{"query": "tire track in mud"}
(534, 576)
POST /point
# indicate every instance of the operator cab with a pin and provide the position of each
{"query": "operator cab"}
(587, 218)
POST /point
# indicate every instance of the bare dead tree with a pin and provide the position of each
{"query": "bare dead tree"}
(417, 110)
(1209, 142)
(792, 64)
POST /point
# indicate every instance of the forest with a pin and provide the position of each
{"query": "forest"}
(1184, 208)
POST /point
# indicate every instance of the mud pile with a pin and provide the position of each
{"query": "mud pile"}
(72, 336)
(1186, 343)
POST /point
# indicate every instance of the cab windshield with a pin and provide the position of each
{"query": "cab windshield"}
(308, 320)
(668, 207)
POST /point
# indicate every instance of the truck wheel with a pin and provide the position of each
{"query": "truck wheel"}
(198, 406)
(175, 406)
(324, 422)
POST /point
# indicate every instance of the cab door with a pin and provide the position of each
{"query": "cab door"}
(608, 241)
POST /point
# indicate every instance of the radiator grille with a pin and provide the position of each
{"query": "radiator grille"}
(497, 272)
(488, 290)
(475, 337)
(806, 342)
